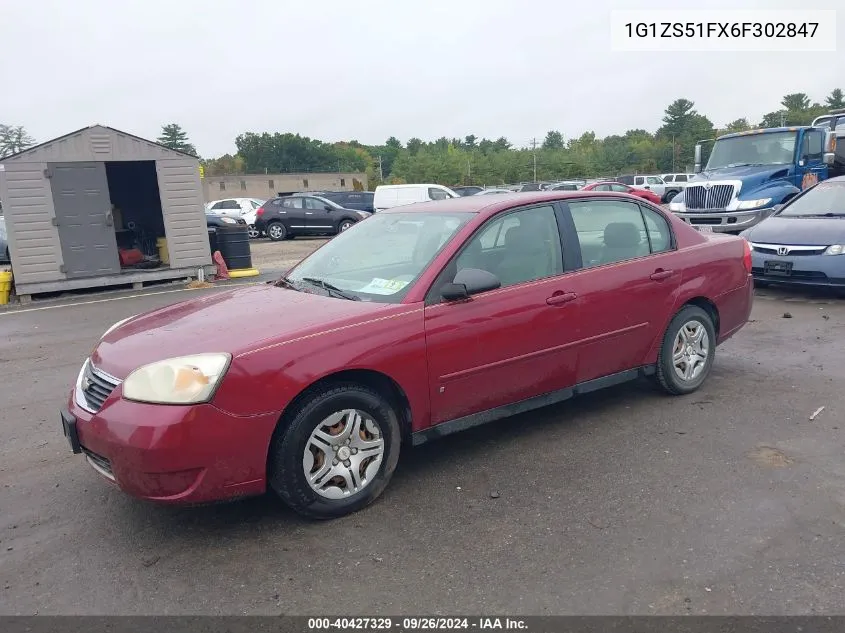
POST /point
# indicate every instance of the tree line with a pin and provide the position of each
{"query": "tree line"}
(473, 160)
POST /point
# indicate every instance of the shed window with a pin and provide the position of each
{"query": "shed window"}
(305, 183)
(243, 185)
(222, 186)
(272, 185)
(343, 182)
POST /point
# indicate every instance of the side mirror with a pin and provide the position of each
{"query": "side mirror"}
(468, 282)
(777, 208)
(697, 158)
(328, 208)
(829, 157)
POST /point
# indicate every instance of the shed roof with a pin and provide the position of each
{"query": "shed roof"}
(95, 129)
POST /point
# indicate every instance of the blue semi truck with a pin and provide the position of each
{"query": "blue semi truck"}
(749, 175)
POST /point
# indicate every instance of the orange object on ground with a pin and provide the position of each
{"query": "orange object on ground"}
(222, 269)
(129, 257)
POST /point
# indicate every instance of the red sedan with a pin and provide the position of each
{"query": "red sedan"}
(416, 322)
(618, 187)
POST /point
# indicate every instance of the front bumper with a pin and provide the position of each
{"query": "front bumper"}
(721, 221)
(173, 454)
(806, 270)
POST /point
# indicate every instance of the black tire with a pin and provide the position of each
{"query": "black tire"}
(667, 197)
(276, 231)
(666, 376)
(343, 225)
(286, 474)
(254, 233)
(761, 284)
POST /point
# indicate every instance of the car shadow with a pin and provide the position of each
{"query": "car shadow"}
(416, 465)
(799, 293)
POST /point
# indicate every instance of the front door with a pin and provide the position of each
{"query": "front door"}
(509, 344)
(84, 219)
(811, 168)
(318, 219)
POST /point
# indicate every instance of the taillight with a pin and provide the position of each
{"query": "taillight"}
(746, 256)
(259, 211)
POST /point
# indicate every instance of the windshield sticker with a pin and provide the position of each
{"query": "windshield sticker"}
(380, 286)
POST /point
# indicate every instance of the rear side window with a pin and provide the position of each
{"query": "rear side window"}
(659, 234)
(628, 180)
(609, 231)
(639, 180)
(292, 203)
(670, 179)
(679, 178)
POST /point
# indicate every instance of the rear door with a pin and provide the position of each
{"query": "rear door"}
(84, 219)
(626, 282)
(292, 214)
(509, 344)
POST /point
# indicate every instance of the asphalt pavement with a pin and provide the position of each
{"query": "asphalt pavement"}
(626, 501)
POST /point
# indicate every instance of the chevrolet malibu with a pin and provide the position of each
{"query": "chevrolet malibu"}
(803, 243)
(414, 323)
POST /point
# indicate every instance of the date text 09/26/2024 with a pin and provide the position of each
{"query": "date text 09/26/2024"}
(419, 623)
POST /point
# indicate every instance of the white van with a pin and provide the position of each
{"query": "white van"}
(388, 196)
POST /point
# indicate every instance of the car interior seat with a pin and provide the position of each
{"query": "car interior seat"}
(526, 257)
(622, 240)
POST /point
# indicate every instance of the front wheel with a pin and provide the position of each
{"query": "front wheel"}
(254, 233)
(686, 355)
(345, 224)
(337, 452)
(276, 231)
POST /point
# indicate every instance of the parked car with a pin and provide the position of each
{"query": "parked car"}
(214, 220)
(487, 192)
(654, 184)
(567, 185)
(388, 337)
(289, 216)
(357, 200)
(238, 208)
(803, 242)
(675, 184)
(468, 190)
(4, 242)
(618, 187)
(389, 196)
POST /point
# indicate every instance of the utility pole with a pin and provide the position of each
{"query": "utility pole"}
(534, 151)
(380, 172)
(782, 118)
(469, 172)
(673, 153)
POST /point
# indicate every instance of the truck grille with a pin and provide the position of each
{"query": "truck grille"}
(96, 387)
(716, 197)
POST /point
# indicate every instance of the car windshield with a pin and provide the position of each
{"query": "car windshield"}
(771, 148)
(379, 258)
(826, 199)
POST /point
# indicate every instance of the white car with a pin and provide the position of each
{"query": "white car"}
(675, 184)
(238, 208)
(654, 184)
(388, 196)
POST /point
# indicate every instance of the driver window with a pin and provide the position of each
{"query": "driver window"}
(519, 247)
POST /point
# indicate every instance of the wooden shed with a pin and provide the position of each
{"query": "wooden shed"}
(79, 207)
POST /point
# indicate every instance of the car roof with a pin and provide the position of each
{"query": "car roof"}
(490, 205)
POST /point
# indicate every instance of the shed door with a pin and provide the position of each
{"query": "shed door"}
(84, 217)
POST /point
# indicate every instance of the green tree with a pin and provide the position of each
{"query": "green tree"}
(14, 139)
(738, 125)
(414, 146)
(174, 137)
(677, 117)
(502, 144)
(835, 99)
(469, 141)
(796, 101)
(553, 140)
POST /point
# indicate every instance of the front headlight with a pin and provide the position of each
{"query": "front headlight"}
(752, 204)
(228, 221)
(182, 380)
(116, 325)
(835, 249)
(364, 214)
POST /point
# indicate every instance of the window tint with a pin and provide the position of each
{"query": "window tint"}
(519, 247)
(609, 231)
(654, 180)
(314, 203)
(679, 178)
(292, 203)
(813, 142)
(628, 180)
(619, 188)
(659, 233)
(218, 205)
(639, 180)
(437, 194)
(669, 178)
(602, 188)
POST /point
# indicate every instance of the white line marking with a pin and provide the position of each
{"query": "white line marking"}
(144, 294)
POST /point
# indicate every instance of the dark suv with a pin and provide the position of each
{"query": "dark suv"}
(358, 200)
(289, 216)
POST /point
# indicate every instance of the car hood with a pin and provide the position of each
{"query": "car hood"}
(799, 231)
(235, 321)
(752, 176)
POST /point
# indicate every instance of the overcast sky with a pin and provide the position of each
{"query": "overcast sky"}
(369, 69)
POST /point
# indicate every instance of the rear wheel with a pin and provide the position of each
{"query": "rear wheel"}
(686, 355)
(254, 233)
(337, 453)
(345, 224)
(276, 231)
(670, 194)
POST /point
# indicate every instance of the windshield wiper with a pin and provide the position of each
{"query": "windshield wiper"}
(322, 283)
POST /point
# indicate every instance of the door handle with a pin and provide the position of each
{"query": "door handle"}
(309, 213)
(560, 298)
(660, 274)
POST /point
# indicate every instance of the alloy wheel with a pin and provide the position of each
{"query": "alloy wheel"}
(690, 351)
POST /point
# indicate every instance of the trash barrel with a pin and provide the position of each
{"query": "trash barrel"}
(233, 244)
(212, 239)
(5, 287)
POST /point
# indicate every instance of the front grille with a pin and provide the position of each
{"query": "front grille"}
(764, 250)
(716, 197)
(99, 463)
(96, 387)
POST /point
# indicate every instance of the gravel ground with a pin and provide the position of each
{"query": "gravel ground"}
(279, 256)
